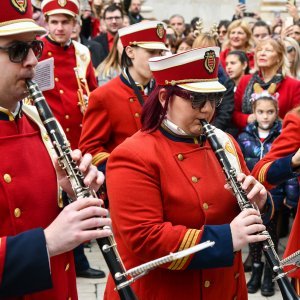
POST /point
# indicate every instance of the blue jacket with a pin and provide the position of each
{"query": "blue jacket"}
(254, 149)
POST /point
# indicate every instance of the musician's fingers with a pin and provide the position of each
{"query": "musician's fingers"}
(257, 190)
(248, 212)
(82, 203)
(76, 155)
(255, 238)
(94, 234)
(255, 228)
(91, 212)
(92, 223)
(252, 219)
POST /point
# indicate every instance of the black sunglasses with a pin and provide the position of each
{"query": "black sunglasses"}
(199, 99)
(19, 50)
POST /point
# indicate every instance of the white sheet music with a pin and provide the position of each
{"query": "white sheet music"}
(44, 74)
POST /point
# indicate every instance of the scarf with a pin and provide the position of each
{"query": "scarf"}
(246, 104)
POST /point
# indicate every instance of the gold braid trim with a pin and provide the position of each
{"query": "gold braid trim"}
(98, 158)
(262, 172)
(8, 113)
(189, 240)
(174, 82)
(16, 21)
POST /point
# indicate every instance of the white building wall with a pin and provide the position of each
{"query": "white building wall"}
(211, 11)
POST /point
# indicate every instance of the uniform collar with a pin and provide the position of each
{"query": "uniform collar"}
(168, 132)
(52, 41)
(144, 89)
(7, 115)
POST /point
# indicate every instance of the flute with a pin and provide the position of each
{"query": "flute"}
(286, 288)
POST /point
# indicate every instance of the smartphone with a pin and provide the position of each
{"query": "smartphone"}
(242, 2)
(288, 22)
(249, 14)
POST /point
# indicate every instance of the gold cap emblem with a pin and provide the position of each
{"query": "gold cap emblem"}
(210, 61)
(160, 30)
(62, 3)
(20, 5)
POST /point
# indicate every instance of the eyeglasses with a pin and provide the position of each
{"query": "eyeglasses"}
(19, 50)
(113, 18)
(199, 99)
(290, 49)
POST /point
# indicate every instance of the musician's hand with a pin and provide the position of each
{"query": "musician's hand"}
(256, 192)
(243, 229)
(76, 224)
(92, 177)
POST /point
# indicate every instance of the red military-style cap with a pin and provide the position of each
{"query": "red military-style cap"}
(16, 17)
(194, 70)
(149, 35)
(67, 7)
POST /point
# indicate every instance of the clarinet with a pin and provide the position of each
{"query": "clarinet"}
(61, 146)
(286, 288)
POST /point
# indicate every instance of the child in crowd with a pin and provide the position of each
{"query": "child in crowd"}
(255, 142)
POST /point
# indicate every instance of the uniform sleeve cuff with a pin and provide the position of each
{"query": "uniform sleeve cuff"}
(218, 256)
(26, 267)
(281, 170)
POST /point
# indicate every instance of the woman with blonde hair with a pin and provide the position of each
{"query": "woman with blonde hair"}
(110, 67)
(293, 56)
(239, 37)
(272, 67)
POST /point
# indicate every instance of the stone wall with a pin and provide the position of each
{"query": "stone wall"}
(210, 11)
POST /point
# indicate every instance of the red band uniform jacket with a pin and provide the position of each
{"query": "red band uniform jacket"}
(112, 116)
(167, 194)
(28, 204)
(63, 99)
(275, 167)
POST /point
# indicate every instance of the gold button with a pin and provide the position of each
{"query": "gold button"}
(236, 275)
(235, 298)
(69, 298)
(7, 178)
(45, 137)
(195, 179)
(49, 53)
(17, 212)
(205, 205)
(131, 100)
(67, 129)
(67, 267)
(56, 79)
(180, 156)
(61, 91)
(206, 283)
(67, 117)
(137, 115)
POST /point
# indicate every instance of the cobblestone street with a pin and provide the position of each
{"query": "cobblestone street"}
(93, 289)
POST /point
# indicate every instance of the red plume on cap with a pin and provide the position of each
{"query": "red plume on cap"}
(16, 17)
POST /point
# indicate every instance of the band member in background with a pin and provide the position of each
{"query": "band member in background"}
(164, 187)
(36, 234)
(64, 99)
(68, 99)
(280, 164)
(114, 109)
